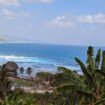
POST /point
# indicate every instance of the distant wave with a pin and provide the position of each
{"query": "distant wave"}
(25, 59)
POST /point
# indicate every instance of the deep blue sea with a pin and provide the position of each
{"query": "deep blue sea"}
(42, 57)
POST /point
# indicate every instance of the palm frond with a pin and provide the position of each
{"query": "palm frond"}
(86, 93)
(98, 58)
(64, 70)
(100, 102)
(100, 72)
(103, 61)
(87, 75)
(82, 66)
(67, 89)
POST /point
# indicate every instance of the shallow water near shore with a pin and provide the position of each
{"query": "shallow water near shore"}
(42, 57)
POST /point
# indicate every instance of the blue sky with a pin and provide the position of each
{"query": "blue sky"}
(71, 22)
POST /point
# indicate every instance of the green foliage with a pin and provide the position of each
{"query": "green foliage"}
(18, 98)
(65, 77)
(21, 71)
(70, 87)
(67, 89)
(91, 86)
(90, 60)
(29, 71)
(5, 84)
(100, 102)
(98, 58)
(90, 51)
(43, 74)
(87, 74)
(103, 61)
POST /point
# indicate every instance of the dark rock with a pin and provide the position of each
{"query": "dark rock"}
(12, 68)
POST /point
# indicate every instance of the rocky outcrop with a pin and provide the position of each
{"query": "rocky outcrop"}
(12, 68)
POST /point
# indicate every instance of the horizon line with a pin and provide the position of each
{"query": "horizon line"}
(52, 44)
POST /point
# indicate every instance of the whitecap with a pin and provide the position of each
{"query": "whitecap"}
(24, 59)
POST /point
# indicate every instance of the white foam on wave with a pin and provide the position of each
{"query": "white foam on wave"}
(7, 57)
(25, 59)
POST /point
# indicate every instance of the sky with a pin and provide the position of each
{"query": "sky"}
(69, 22)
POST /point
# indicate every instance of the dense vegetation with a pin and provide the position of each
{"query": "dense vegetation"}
(70, 88)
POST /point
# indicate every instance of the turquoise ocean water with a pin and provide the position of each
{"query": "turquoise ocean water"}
(42, 57)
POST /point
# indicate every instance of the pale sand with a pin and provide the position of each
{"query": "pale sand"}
(32, 90)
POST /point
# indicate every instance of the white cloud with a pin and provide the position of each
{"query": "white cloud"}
(9, 2)
(8, 14)
(40, 1)
(12, 15)
(73, 21)
(97, 18)
(61, 21)
(18, 2)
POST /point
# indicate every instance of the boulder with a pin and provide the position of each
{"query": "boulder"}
(12, 68)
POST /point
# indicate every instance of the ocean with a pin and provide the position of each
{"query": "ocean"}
(42, 57)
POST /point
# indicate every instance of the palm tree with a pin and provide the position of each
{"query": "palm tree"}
(94, 81)
(29, 71)
(21, 71)
(92, 86)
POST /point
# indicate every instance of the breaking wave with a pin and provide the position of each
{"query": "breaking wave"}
(24, 59)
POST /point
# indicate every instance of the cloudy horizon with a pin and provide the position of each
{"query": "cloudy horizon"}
(70, 22)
